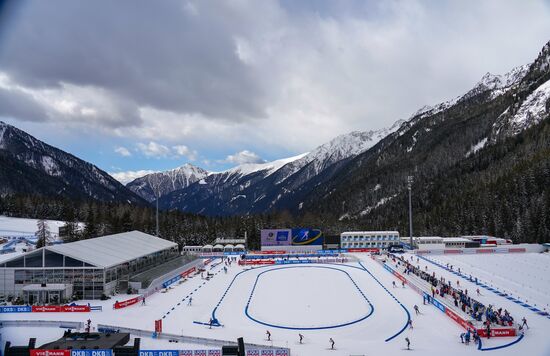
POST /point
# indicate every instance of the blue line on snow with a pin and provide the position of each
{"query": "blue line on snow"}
(307, 328)
(397, 300)
(480, 347)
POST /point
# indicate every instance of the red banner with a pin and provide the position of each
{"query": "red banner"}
(37, 352)
(273, 252)
(126, 303)
(499, 332)
(451, 314)
(516, 250)
(158, 326)
(75, 308)
(363, 250)
(256, 262)
(60, 309)
(485, 251)
(188, 272)
(452, 251)
(46, 309)
(207, 261)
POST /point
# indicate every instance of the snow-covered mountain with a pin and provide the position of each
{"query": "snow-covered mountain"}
(30, 166)
(531, 100)
(250, 188)
(163, 183)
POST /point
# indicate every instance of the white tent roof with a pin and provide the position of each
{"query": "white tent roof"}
(218, 246)
(111, 250)
(207, 246)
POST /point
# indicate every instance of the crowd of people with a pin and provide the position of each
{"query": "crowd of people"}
(487, 315)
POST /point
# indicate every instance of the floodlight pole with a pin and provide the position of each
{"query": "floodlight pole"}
(409, 185)
(157, 215)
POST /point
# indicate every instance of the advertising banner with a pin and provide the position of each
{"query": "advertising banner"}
(158, 326)
(171, 281)
(37, 352)
(126, 303)
(98, 352)
(16, 309)
(160, 353)
(438, 305)
(276, 237)
(457, 318)
(306, 237)
(500, 332)
(188, 272)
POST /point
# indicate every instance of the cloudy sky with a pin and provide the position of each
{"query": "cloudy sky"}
(150, 85)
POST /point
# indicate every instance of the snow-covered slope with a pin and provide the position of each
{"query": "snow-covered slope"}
(166, 182)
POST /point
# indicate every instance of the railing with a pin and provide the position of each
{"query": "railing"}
(42, 323)
(187, 339)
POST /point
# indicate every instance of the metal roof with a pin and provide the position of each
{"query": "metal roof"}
(111, 250)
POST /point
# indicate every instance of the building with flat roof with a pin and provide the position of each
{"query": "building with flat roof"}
(369, 239)
(86, 268)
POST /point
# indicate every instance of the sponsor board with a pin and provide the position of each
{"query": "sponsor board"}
(171, 281)
(38, 352)
(188, 272)
(512, 250)
(16, 309)
(306, 236)
(451, 314)
(126, 303)
(60, 309)
(161, 352)
(276, 237)
(451, 251)
(363, 250)
(438, 304)
(485, 250)
(500, 332)
(99, 352)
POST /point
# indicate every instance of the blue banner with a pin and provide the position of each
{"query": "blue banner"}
(171, 281)
(159, 353)
(306, 236)
(438, 305)
(99, 352)
(16, 309)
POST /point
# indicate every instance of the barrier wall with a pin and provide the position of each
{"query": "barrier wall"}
(194, 340)
(48, 309)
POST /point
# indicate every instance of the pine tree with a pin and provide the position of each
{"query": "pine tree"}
(42, 233)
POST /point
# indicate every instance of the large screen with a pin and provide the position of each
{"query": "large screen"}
(276, 237)
(306, 236)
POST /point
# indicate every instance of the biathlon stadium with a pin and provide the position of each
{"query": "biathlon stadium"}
(292, 297)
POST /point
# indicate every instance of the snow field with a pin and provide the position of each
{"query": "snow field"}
(301, 296)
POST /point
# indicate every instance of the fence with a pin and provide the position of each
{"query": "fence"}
(42, 323)
(188, 339)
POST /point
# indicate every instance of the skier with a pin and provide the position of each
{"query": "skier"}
(478, 293)
(301, 337)
(331, 343)
(190, 301)
(143, 301)
(408, 343)
(403, 284)
(462, 337)
(268, 335)
(393, 283)
(416, 309)
(410, 324)
(210, 323)
(524, 323)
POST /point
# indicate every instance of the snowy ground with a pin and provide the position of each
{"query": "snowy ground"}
(12, 227)
(307, 296)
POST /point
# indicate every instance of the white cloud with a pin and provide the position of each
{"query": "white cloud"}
(153, 149)
(128, 176)
(123, 151)
(242, 157)
(184, 151)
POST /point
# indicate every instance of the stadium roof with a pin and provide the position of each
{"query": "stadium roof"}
(111, 250)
